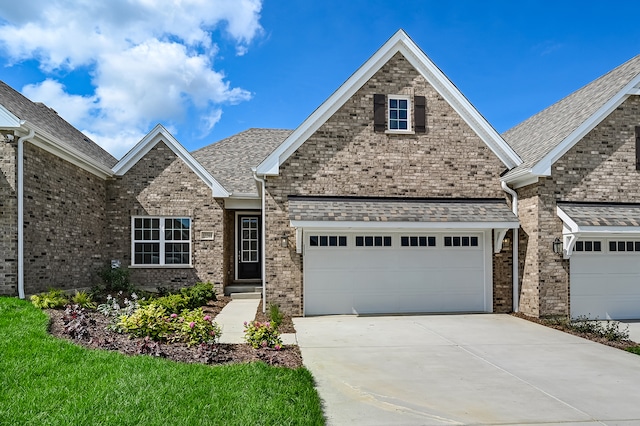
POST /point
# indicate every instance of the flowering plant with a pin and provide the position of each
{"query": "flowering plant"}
(193, 326)
(262, 335)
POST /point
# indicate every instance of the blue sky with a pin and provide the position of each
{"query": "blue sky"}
(207, 69)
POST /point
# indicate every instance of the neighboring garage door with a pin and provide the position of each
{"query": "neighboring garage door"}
(401, 272)
(605, 279)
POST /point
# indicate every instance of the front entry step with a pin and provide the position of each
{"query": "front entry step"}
(252, 295)
(244, 288)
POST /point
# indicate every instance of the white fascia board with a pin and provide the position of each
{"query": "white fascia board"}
(7, 119)
(543, 167)
(521, 178)
(236, 203)
(568, 222)
(609, 230)
(399, 42)
(460, 103)
(61, 149)
(159, 133)
(573, 228)
(309, 224)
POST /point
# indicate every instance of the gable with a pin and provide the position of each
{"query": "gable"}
(160, 134)
(347, 156)
(601, 167)
(545, 137)
(402, 44)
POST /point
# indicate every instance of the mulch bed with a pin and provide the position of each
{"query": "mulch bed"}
(102, 338)
(625, 344)
(285, 327)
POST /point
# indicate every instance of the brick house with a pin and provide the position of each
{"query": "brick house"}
(579, 185)
(395, 195)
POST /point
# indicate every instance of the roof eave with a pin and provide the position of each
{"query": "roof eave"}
(543, 166)
(61, 149)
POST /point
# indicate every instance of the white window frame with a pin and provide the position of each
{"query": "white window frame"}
(162, 242)
(409, 129)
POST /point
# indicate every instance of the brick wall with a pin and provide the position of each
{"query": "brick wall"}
(8, 218)
(345, 157)
(599, 168)
(161, 184)
(64, 223)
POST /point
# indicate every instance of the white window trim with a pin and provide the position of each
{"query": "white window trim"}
(409, 130)
(161, 242)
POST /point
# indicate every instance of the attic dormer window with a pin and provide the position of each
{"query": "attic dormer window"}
(399, 113)
(398, 109)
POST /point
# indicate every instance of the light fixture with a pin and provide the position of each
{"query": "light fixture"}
(284, 240)
(557, 246)
(115, 263)
(507, 240)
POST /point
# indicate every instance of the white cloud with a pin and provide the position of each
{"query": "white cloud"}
(73, 108)
(149, 63)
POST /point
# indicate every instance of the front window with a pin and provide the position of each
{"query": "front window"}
(161, 241)
(399, 114)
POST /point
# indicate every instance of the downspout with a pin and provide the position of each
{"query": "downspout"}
(20, 196)
(264, 242)
(515, 259)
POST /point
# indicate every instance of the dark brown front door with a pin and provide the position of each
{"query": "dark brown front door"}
(249, 266)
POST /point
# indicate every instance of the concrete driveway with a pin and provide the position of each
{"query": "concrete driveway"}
(465, 369)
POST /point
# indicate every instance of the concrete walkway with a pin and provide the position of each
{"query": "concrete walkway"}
(465, 369)
(233, 316)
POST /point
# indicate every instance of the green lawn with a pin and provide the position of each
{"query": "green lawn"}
(47, 381)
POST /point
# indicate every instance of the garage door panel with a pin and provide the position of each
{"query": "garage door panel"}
(395, 279)
(605, 285)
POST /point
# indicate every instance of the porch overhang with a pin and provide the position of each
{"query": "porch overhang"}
(596, 219)
(343, 213)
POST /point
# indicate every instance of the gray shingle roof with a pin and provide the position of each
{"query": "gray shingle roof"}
(537, 136)
(49, 121)
(398, 210)
(603, 214)
(230, 160)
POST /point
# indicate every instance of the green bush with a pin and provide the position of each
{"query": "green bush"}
(199, 294)
(262, 335)
(194, 327)
(173, 303)
(83, 299)
(114, 279)
(275, 315)
(150, 320)
(52, 299)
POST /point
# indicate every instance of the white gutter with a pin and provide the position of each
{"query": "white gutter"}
(264, 242)
(20, 196)
(515, 259)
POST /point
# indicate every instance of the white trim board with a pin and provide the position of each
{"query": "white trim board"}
(160, 134)
(399, 42)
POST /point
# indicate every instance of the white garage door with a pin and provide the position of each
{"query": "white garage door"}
(385, 272)
(605, 279)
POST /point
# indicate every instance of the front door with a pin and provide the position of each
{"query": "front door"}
(248, 262)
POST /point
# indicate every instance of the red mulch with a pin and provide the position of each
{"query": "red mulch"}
(102, 338)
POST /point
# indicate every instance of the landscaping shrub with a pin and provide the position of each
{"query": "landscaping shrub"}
(113, 309)
(83, 299)
(275, 315)
(76, 323)
(150, 320)
(52, 299)
(194, 327)
(173, 303)
(199, 294)
(114, 280)
(262, 335)
(609, 330)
